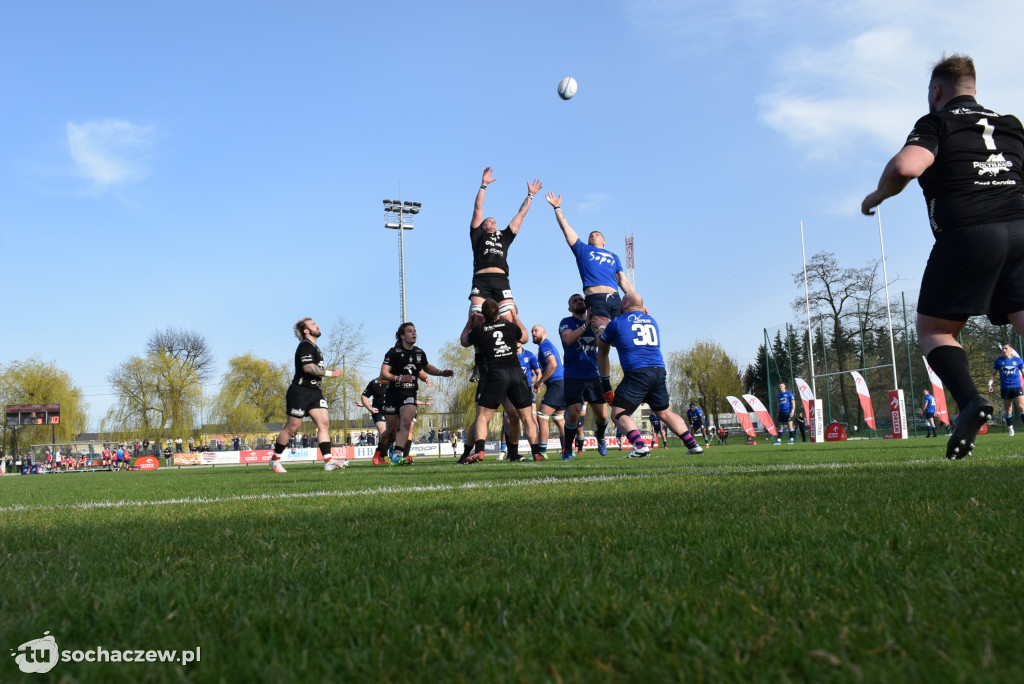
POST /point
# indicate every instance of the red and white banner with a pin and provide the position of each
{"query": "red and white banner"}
(865, 399)
(898, 411)
(741, 415)
(806, 396)
(941, 414)
(762, 414)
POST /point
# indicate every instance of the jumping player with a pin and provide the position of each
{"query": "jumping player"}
(404, 366)
(305, 398)
(490, 252)
(1008, 367)
(636, 336)
(582, 380)
(967, 159)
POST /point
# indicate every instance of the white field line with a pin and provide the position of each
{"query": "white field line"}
(510, 484)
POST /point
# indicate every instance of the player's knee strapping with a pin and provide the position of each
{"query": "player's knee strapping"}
(505, 308)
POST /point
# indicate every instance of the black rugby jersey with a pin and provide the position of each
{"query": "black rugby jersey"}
(497, 342)
(307, 352)
(404, 361)
(375, 392)
(976, 177)
(490, 249)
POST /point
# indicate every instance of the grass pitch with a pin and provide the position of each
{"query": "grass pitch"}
(861, 561)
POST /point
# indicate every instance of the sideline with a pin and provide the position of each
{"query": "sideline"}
(674, 472)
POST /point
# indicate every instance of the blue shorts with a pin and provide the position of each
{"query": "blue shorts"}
(642, 386)
(554, 395)
(579, 390)
(605, 304)
(1010, 392)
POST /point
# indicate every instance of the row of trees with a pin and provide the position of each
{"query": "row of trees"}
(850, 331)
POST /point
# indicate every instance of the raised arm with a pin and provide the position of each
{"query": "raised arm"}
(570, 235)
(478, 205)
(531, 190)
(624, 284)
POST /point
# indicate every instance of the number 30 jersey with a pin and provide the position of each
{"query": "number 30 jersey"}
(637, 338)
(976, 177)
(497, 343)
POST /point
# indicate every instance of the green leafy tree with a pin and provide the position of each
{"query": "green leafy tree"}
(252, 393)
(706, 374)
(35, 381)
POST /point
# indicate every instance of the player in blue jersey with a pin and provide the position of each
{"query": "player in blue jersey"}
(928, 411)
(636, 336)
(658, 428)
(787, 402)
(1008, 367)
(582, 381)
(600, 269)
(552, 406)
(695, 417)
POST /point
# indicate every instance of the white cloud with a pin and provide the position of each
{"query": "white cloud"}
(595, 201)
(110, 152)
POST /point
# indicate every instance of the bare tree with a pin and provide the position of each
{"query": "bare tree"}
(187, 346)
(344, 347)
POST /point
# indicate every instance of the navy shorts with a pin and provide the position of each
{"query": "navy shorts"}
(605, 304)
(1010, 392)
(554, 395)
(579, 390)
(784, 417)
(642, 386)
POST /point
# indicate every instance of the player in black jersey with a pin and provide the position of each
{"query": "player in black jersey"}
(372, 399)
(490, 252)
(305, 398)
(967, 159)
(496, 339)
(404, 366)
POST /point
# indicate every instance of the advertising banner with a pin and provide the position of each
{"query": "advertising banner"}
(147, 463)
(806, 396)
(741, 415)
(835, 432)
(941, 412)
(762, 414)
(898, 411)
(865, 399)
(816, 421)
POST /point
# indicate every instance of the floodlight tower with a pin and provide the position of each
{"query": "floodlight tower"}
(398, 215)
(630, 264)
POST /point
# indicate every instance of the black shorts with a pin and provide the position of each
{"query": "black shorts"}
(378, 417)
(502, 382)
(1010, 392)
(642, 386)
(554, 395)
(784, 417)
(395, 399)
(300, 400)
(973, 271)
(929, 415)
(491, 286)
(605, 304)
(579, 390)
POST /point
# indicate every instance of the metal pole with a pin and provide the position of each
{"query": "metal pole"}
(807, 299)
(888, 310)
(910, 366)
(401, 250)
(824, 361)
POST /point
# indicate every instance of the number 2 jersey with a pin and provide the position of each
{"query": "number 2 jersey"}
(638, 340)
(976, 177)
(497, 343)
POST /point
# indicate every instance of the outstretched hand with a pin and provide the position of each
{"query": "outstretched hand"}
(447, 373)
(534, 187)
(552, 200)
(487, 178)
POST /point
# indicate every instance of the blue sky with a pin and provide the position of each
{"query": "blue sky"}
(220, 166)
